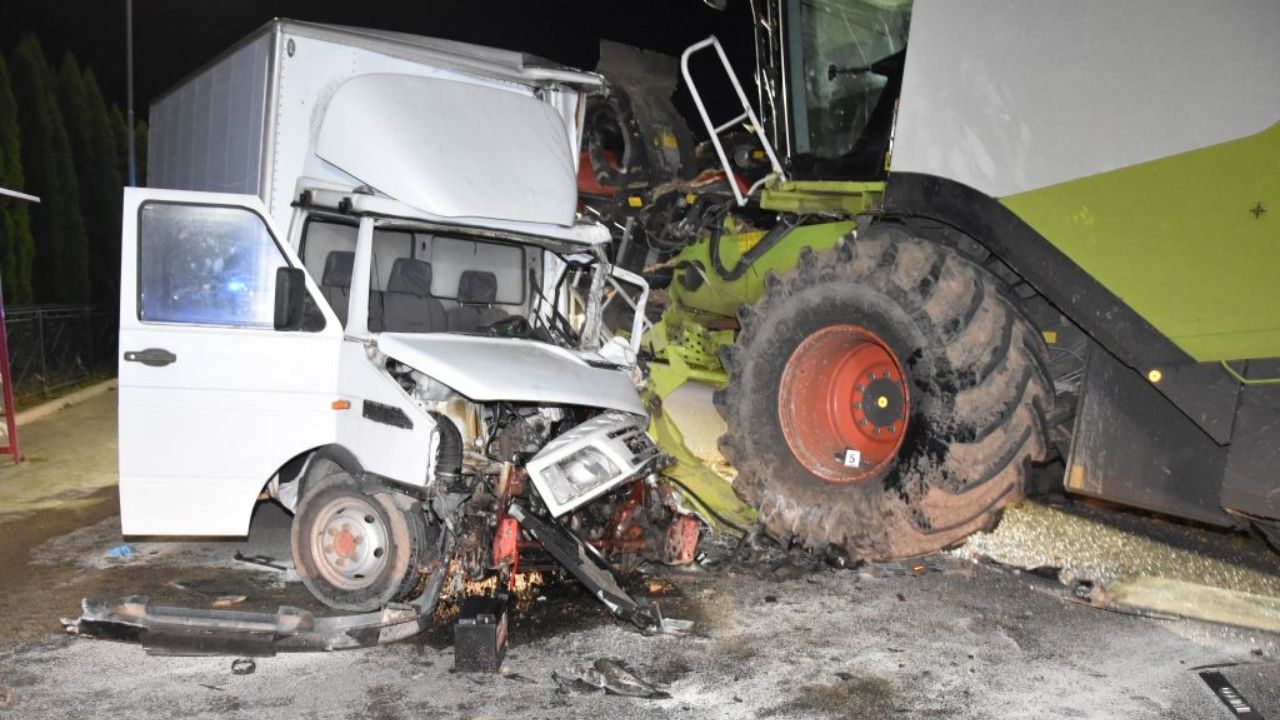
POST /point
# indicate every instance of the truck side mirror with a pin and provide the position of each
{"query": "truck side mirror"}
(290, 291)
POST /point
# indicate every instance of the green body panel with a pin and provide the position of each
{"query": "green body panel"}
(720, 297)
(1190, 242)
(695, 325)
(827, 196)
(708, 492)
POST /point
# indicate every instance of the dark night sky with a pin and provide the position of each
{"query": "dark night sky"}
(174, 37)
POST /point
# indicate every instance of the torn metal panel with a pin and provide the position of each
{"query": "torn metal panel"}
(609, 675)
(589, 567)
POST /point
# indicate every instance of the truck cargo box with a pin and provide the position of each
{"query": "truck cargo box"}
(254, 119)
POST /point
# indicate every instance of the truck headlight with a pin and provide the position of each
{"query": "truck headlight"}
(590, 459)
(579, 474)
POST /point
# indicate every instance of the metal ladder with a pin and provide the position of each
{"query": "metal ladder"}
(714, 130)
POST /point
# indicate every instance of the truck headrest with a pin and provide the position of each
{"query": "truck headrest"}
(409, 276)
(477, 287)
(337, 269)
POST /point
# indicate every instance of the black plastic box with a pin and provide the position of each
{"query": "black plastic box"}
(480, 635)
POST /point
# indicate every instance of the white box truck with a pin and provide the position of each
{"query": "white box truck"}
(358, 283)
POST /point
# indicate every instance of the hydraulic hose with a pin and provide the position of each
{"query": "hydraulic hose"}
(449, 452)
(771, 238)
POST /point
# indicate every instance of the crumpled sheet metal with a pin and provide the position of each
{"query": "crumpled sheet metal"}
(610, 675)
(198, 631)
(1032, 535)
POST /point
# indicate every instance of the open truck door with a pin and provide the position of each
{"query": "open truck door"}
(222, 379)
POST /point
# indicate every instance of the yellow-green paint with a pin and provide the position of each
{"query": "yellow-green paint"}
(846, 198)
(685, 346)
(704, 489)
(720, 297)
(1191, 242)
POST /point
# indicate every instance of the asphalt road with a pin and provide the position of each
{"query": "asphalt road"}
(953, 638)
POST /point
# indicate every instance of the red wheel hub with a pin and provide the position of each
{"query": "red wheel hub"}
(843, 403)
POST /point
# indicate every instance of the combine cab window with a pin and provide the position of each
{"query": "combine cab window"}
(845, 66)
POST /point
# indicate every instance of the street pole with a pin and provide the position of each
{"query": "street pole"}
(128, 63)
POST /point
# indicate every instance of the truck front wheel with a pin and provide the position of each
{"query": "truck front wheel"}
(884, 398)
(356, 551)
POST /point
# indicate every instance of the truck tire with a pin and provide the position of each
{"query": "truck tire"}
(884, 399)
(355, 551)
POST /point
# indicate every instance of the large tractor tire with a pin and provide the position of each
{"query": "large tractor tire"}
(884, 399)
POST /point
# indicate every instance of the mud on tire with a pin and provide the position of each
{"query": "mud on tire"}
(974, 370)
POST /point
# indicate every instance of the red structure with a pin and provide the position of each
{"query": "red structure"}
(10, 446)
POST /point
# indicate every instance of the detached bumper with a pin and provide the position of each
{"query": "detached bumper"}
(196, 631)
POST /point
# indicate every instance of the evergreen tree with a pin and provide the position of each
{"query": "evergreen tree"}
(140, 134)
(16, 245)
(61, 269)
(93, 149)
(103, 204)
(69, 91)
(122, 142)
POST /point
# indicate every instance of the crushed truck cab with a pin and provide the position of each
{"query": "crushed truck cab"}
(391, 325)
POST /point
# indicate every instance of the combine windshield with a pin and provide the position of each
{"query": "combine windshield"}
(845, 69)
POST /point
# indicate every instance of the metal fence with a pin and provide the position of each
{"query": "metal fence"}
(54, 346)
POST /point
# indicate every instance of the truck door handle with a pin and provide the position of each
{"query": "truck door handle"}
(151, 357)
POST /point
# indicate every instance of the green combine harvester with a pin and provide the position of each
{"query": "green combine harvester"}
(961, 239)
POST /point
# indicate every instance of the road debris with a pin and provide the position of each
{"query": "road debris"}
(120, 552)
(243, 666)
(175, 630)
(219, 600)
(610, 675)
(1105, 546)
(480, 634)
(1152, 570)
(7, 697)
(263, 560)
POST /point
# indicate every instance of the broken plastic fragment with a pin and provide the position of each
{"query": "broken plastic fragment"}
(120, 551)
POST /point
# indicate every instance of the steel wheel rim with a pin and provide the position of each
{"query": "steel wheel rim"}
(351, 543)
(843, 403)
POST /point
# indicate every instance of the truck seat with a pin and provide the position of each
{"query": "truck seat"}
(407, 305)
(477, 291)
(335, 282)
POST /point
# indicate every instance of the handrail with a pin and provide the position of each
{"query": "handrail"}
(714, 130)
